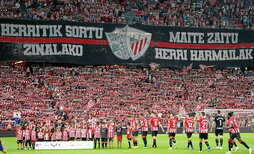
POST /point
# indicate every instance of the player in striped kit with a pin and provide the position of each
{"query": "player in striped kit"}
(93, 123)
(83, 132)
(58, 134)
(19, 134)
(111, 133)
(188, 128)
(46, 135)
(33, 137)
(53, 134)
(155, 123)
(172, 128)
(97, 136)
(65, 134)
(23, 135)
(40, 134)
(144, 128)
(234, 133)
(89, 133)
(78, 133)
(134, 126)
(27, 134)
(72, 132)
(203, 131)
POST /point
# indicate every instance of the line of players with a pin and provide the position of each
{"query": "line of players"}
(189, 128)
(28, 135)
(104, 134)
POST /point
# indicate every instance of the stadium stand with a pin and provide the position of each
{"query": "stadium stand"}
(227, 14)
(116, 92)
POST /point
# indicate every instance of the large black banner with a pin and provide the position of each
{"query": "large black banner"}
(91, 43)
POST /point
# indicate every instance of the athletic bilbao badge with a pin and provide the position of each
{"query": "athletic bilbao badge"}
(117, 42)
(129, 42)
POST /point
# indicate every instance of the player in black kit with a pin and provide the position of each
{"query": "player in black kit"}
(104, 135)
(219, 122)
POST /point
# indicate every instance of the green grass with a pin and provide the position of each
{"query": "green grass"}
(162, 142)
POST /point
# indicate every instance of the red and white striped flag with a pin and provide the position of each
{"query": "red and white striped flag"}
(202, 67)
(90, 104)
(189, 67)
(154, 66)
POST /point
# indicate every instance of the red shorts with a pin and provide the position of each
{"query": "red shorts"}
(128, 137)
(119, 138)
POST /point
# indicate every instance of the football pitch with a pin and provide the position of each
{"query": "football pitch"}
(162, 142)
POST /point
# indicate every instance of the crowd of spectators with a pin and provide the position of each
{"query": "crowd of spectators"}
(232, 14)
(117, 92)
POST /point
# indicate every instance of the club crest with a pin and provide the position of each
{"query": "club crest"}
(128, 42)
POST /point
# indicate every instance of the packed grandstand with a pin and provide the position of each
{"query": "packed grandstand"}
(111, 91)
(116, 92)
(227, 14)
(101, 78)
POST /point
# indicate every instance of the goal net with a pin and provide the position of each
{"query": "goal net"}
(243, 116)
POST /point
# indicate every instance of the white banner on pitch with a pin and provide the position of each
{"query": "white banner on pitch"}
(64, 145)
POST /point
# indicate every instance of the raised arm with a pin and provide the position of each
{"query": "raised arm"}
(161, 126)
